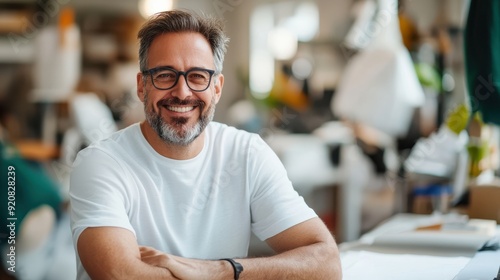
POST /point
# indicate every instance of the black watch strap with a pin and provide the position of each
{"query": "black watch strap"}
(238, 268)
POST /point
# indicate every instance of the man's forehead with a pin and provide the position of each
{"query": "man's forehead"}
(177, 49)
(190, 37)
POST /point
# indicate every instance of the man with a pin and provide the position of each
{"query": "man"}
(177, 196)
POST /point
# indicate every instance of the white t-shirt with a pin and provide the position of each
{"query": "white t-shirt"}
(204, 207)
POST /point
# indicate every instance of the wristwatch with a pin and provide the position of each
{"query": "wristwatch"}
(238, 268)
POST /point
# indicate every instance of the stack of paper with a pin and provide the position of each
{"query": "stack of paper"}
(438, 232)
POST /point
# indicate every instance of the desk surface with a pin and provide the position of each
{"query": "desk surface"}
(484, 265)
(372, 261)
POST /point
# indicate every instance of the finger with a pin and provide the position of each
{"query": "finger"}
(160, 261)
(148, 251)
(146, 248)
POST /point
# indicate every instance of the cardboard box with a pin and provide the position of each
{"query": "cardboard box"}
(485, 202)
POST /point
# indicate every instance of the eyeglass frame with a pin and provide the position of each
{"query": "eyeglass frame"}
(178, 74)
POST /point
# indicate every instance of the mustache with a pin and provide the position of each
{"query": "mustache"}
(176, 101)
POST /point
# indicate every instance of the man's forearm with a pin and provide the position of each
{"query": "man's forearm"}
(112, 253)
(134, 270)
(315, 261)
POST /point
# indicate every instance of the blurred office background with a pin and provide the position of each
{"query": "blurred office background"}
(343, 91)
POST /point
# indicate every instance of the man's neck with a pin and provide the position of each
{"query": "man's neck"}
(172, 151)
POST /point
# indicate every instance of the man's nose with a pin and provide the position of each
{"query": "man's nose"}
(181, 89)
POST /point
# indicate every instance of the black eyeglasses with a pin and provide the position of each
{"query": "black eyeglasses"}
(163, 77)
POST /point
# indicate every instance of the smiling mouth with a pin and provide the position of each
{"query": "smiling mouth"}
(180, 109)
(180, 106)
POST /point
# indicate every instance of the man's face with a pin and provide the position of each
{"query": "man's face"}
(179, 115)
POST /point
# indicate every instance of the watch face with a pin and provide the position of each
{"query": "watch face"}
(238, 268)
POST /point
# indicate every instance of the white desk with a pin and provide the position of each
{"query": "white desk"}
(362, 259)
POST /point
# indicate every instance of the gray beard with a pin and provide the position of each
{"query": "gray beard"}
(178, 133)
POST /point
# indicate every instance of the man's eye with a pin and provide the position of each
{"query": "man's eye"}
(197, 76)
(165, 76)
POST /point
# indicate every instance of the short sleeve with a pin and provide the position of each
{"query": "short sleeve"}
(98, 188)
(275, 205)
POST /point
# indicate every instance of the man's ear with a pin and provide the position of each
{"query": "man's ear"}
(140, 86)
(219, 84)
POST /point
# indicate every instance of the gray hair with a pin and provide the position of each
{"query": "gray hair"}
(183, 21)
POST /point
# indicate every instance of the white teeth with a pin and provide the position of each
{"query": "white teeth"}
(180, 109)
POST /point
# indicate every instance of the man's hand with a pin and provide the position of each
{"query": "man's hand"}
(184, 268)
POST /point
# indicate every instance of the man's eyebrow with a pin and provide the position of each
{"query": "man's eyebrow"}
(164, 66)
(172, 67)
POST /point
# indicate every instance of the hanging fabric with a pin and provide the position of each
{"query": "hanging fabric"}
(482, 59)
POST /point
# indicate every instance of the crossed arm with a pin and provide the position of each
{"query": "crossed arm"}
(304, 251)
